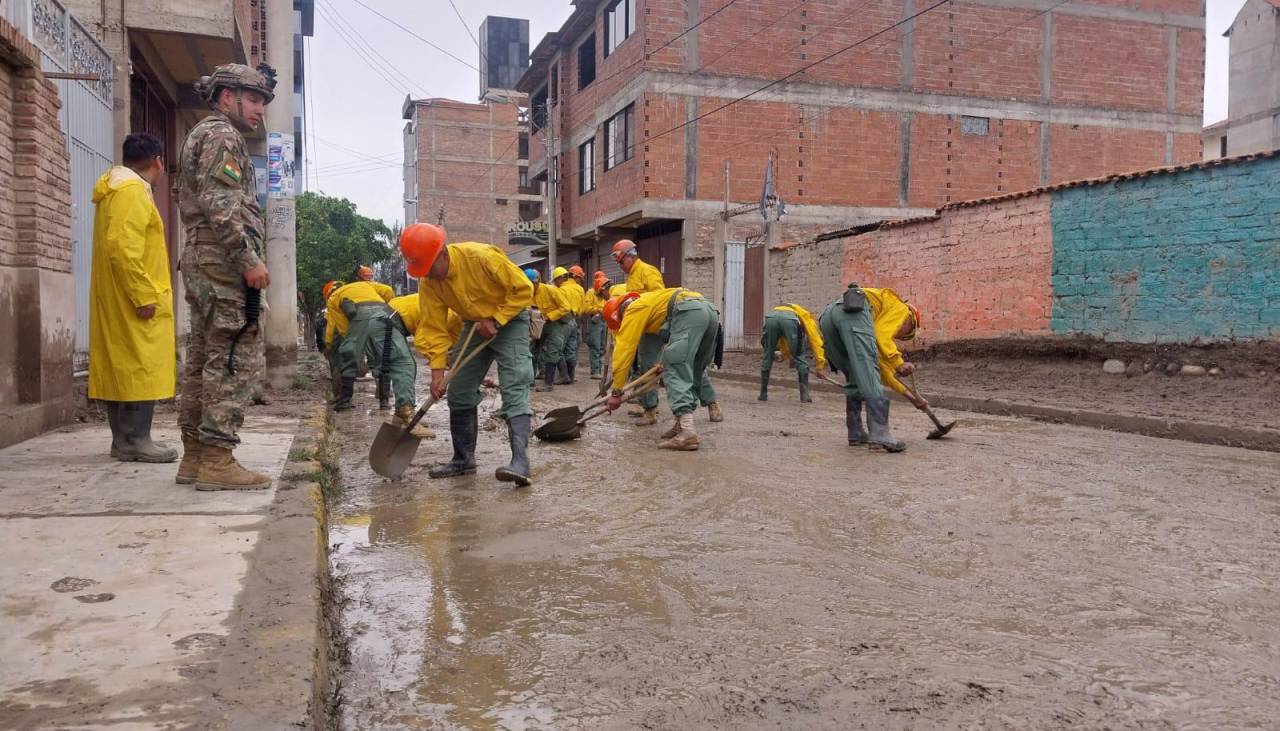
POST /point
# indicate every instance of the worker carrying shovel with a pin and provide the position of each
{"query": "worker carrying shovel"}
(786, 329)
(687, 324)
(858, 333)
(492, 296)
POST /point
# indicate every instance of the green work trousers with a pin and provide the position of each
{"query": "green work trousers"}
(515, 369)
(779, 326)
(647, 353)
(595, 343)
(365, 336)
(850, 342)
(572, 339)
(554, 336)
(691, 346)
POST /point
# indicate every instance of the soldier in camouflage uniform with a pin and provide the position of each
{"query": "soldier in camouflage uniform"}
(220, 262)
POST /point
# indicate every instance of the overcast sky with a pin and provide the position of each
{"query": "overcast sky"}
(355, 108)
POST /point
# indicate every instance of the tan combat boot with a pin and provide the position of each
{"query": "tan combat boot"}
(219, 470)
(674, 430)
(404, 415)
(649, 417)
(713, 410)
(686, 440)
(636, 411)
(189, 467)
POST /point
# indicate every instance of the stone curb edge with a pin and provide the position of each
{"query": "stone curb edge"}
(274, 670)
(1186, 431)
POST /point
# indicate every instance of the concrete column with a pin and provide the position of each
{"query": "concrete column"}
(281, 317)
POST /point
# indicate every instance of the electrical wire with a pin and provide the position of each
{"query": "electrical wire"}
(465, 27)
(386, 70)
(308, 109)
(373, 50)
(415, 35)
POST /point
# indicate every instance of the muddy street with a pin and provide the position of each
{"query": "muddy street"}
(1016, 575)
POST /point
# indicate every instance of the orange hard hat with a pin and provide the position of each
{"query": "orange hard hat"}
(365, 273)
(577, 271)
(623, 248)
(420, 245)
(599, 280)
(329, 286)
(915, 319)
(612, 310)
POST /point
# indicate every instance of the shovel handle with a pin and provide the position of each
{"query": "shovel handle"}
(928, 411)
(627, 397)
(458, 363)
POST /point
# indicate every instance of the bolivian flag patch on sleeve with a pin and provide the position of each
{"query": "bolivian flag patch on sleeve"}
(228, 170)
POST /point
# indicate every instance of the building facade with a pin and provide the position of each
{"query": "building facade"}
(1253, 86)
(662, 115)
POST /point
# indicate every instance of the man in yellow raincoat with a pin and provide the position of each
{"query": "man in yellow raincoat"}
(786, 330)
(132, 361)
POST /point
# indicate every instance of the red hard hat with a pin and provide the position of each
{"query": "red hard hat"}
(420, 244)
(622, 248)
(612, 310)
(577, 271)
(599, 280)
(329, 286)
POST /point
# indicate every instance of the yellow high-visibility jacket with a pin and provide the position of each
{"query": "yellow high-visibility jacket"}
(889, 312)
(410, 313)
(644, 277)
(574, 295)
(384, 291)
(550, 301)
(811, 331)
(644, 316)
(482, 283)
(130, 359)
(356, 292)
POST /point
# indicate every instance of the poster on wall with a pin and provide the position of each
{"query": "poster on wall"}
(279, 165)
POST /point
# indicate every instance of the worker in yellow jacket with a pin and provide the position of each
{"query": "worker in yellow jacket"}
(553, 303)
(361, 321)
(642, 277)
(858, 332)
(787, 329)
(574, 298)
(492, 296)
(688, 324)
(597, 333)
(131, 335)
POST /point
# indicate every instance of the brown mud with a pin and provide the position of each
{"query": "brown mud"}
(1015, 575)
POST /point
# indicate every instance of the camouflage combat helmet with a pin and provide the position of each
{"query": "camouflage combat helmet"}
(237, 76)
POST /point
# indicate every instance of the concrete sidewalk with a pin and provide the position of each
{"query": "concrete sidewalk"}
(121, 589)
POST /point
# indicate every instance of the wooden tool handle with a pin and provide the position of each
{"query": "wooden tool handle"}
(460, 361)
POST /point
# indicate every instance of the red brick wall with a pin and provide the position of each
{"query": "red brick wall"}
(976, 272)
(1082, 152)
(1108, 63)
(953, 52)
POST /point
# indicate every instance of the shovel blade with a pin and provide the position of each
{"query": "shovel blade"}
(392, 451)
(559, 430)
(941, 431)
(564, 412)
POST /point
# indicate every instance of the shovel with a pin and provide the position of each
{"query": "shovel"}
(394, 447)
(563, 430)
(942, 429)
(566, 416)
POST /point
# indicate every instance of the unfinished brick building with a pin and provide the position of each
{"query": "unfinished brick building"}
(969, 99)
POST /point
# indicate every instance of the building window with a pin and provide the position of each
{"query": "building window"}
(553, 81)
(619, 137)
(1222, 144)
(974, 126)
(524, 178)
(587, 166)
(522, 147)
(587, 62)
(619, 24)
(500, 201)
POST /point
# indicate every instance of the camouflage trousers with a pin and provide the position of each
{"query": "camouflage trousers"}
(213, 398)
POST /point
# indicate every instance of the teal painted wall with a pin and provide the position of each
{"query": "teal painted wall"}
(1187, 257)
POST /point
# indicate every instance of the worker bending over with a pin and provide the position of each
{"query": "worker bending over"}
(361, 324)
(786, 329)
(493, 296)
(858, 332)
(687, 324)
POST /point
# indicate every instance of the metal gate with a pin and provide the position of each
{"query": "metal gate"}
(87, 123)
(735, 260)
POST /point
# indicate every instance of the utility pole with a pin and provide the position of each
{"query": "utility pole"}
(281, 315)
(553, 179)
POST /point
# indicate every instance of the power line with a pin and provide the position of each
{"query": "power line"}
(415, 35)
(465, 27)
(376, 61)
(649, 54)
(308, 108)
(395, 86)
(372, 49)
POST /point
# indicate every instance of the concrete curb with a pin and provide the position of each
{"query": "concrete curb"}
(1185, 431)
(274, 672)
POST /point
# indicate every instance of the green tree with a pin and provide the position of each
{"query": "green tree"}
(333, 241)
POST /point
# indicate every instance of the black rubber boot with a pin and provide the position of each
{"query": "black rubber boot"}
(463, 425)
(764, 386)
(805, 398)
(113, 420)
(134, 418)
(878, 425)
(573, 367)
(548, 380)
(345, 395)
(518, 470)
(853, 421)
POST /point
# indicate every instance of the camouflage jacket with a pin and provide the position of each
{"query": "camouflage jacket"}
(217, 192)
